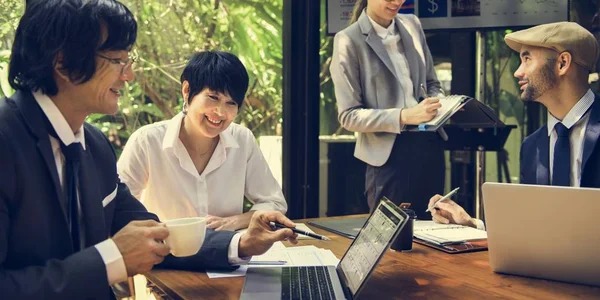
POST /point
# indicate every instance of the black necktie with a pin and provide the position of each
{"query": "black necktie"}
(73, 160)
(561, 169)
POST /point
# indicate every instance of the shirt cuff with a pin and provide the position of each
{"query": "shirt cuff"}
(233, 253)
(480, 224)
(115, 265)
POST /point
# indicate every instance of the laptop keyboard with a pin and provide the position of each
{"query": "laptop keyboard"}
(306, 283)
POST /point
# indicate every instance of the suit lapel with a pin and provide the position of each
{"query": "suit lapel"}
(412, 56)
(89, 199)
(543, 154)
(34, 117)
(592, 132)
(374, 41)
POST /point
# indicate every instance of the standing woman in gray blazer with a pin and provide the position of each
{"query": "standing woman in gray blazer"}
(381, 68)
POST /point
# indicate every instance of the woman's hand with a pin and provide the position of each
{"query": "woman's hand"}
(425, 111)
(229, 223)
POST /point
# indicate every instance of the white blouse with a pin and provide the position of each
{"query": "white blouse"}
(159, 171)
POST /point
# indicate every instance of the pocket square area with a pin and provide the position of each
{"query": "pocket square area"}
(110, 197)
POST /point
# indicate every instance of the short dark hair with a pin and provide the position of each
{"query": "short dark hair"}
(219, 71)
(72, 28)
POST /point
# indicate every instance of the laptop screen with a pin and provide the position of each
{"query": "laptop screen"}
(370, 244)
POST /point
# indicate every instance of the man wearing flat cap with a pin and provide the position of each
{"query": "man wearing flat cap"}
(556, 60)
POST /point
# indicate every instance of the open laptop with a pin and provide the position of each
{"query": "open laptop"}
(328, 282)
(544, 231)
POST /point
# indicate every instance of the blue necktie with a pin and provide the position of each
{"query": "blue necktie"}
(73, 161)
(561, 169)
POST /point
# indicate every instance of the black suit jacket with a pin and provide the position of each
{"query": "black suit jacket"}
(535, 162)
(37, 260)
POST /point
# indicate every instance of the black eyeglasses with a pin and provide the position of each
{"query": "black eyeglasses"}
(131, 59)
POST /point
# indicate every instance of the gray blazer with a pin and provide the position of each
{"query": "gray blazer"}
(369, 95)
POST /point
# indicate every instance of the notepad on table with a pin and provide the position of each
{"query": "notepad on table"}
(446, 234)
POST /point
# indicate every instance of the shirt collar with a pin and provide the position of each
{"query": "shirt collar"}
(172, 134)
(58, 121)
(575, 114)
(381, 31)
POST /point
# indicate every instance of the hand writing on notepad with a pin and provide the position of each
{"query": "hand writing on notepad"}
(448, 212)
(423, 112)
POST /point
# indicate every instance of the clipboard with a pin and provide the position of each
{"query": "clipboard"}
(443, 116)
(463, 247)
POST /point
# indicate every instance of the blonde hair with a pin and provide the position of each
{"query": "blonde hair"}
(359, 6)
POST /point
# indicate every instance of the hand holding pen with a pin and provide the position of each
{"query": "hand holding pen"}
(275, 226)
(446, 197)
(447, 211)
(423, 112)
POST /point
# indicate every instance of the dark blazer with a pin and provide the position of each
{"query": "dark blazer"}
(37, 260)
(535, 162)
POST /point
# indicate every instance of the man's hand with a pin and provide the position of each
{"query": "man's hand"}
(425, 111)
(229, 223)
(448, 212)
(260, 237)
(140, 244)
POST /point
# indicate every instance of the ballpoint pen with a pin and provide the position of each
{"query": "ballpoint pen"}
(276, 225)
(447, 196)
(423, 93)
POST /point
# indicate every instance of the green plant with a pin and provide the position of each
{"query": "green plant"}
(168, 33)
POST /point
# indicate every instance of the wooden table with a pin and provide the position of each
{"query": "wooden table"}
(423, 272)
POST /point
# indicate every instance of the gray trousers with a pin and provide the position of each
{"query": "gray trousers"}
(414, 172)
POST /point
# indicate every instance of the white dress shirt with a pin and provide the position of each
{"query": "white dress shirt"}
(576, 121)
(158, 170)
(115, 266)
(391, 40)
(395, 50)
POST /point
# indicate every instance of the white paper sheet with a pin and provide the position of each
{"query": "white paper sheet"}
(293, 256)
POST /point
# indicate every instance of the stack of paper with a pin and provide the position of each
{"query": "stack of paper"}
(279, 255)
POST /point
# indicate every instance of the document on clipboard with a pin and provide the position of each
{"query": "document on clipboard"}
(450, 105)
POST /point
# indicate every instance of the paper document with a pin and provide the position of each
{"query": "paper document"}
(449, 105)
(442, 234)
(279, 255)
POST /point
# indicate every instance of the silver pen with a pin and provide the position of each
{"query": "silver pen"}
(443, 198)
(423, 93)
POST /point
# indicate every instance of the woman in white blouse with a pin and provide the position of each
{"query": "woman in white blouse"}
(199, 163)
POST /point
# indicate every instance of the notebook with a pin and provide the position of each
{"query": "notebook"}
(449, 238)
(450, 105)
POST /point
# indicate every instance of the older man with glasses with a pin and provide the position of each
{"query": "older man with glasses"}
(68, 227)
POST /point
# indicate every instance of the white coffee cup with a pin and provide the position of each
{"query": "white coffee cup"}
(186, 235)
